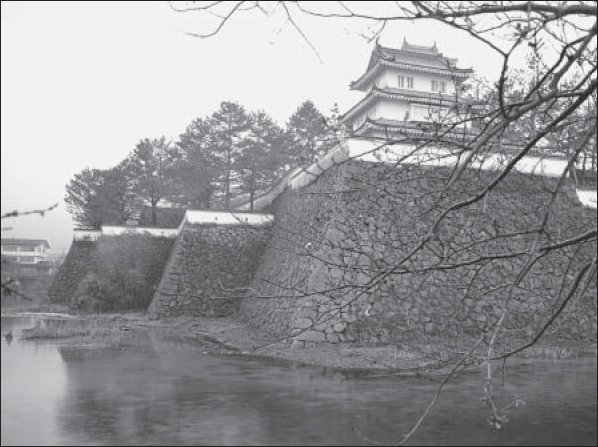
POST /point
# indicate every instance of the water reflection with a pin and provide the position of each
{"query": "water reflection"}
(10, 324)
(33, 380)
(8, 337)
(149, 392)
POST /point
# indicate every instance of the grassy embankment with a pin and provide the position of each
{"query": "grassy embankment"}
(93, 331)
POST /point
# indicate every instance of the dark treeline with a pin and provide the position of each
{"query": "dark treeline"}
(232, 153)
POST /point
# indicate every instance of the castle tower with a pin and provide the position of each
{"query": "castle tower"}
(406, 88)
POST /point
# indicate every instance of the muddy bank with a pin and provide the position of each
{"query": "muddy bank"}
(229, 337)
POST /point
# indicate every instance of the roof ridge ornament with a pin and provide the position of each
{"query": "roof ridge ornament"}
(425, 49)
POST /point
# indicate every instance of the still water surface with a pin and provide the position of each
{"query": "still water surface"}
(150, 392)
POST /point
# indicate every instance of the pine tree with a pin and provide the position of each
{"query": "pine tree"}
(260, 158)
(194, 167)
(98, 197)
(306, 133)
(148, 163)
(229, 126)
(81, 198)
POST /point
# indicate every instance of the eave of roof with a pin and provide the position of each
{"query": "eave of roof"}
(418, 129)
(357, 107)
(410, 96)
(21, 241)
(425, 52)
(419, 96)
(449, 72)
(413, 128)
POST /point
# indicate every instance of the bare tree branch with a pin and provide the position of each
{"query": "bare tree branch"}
(41, 212)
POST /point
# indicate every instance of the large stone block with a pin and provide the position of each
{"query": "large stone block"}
(312, 337)
(303, 323)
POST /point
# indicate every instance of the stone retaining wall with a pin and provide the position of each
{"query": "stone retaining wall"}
(126, 273)
(330, 273)
(78, 262)
(209, 270)
(341, 263)
(112, 272)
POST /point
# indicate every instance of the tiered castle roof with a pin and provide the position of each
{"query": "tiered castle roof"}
(397, 94)
(410, 57)
(428, 82)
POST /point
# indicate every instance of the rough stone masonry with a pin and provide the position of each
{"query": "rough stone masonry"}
(330, 271)
(327, 269)
(210, 270)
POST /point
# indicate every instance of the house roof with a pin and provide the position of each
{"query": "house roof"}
(32, 242)
(431, 97)
(411, 57)
(410, 96)
(413, 128)
(413, 54)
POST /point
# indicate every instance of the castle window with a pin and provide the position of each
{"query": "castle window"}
(406, 82)
(439, 86)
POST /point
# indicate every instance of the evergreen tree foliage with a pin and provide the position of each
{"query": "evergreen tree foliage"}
(308, 135)
(260, 159)
(231, 154)
(147, 167)
(229, 126)
(96, 197)
(193, 171)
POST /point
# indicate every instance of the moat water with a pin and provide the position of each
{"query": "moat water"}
(152, 392)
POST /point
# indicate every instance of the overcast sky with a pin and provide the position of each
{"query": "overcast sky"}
(83, 82)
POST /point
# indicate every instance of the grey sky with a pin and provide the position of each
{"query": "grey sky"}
(83, 82)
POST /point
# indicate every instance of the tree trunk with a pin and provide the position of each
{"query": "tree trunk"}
(227, 190)
(228, 165)
(251, 190)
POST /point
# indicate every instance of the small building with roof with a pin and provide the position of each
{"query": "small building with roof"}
(25, 258)
(404, 87)
(26, 251)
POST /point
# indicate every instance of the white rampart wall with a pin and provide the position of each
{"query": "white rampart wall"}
(227, 218)
(191, 217)
(86, 235)
(263, 200)
(368, 150)
(378, 152)
(305, 176)
(156, 232)
(358, 149)
(588, 198)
